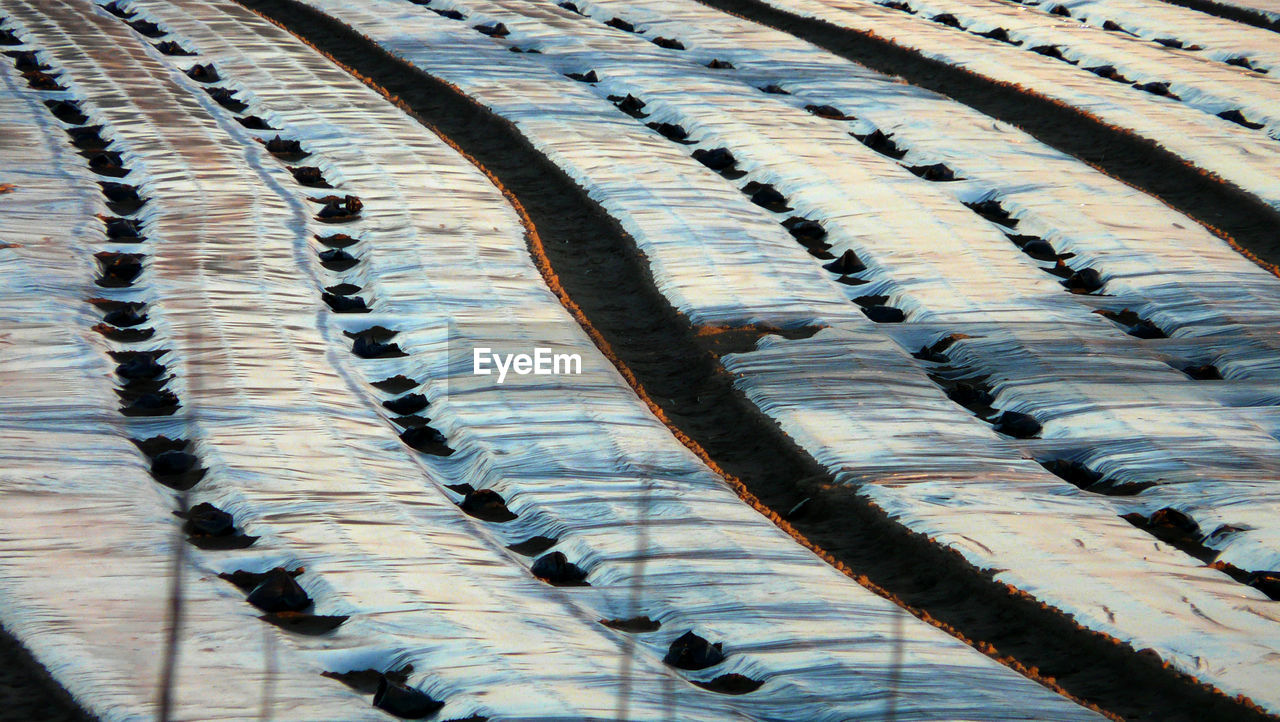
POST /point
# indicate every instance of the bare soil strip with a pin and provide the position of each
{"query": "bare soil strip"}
(1230, 12)
(27, 692)
(1241, 218)
(673, 365)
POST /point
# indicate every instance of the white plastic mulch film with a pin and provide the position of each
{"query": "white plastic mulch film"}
(1113, 392)
(297, 445)
(85, 566)
(1187, 125)
(1216, 39)
(1194, 74)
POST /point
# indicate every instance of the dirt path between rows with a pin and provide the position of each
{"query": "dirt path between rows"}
(1230, 12)
(606, 282)
(27, 692)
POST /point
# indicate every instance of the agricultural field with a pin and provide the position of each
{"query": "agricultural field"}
(805, 360)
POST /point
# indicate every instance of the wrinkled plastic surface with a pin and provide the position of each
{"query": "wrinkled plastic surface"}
(298, 449)
(85, 553)
(1248, 158)
(1211, 87)
(1220, 39)
(1096, 387)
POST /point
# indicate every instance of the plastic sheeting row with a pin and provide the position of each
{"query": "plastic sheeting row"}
(1212, 87)
(1266, 8)
(1243, 156)
(1221, 40)
(85, 570)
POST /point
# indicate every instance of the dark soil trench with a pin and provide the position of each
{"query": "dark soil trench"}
(28, 693)
(1230, 12)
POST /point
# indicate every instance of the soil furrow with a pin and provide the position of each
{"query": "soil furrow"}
(1230, 12)
(29, 692)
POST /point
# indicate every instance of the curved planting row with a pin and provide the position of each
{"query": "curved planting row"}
(78, 490)
(1238, 155)
(1241, 94)
(1233, 43)
(1258, 13)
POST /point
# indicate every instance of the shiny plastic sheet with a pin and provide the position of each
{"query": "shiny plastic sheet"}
(1211, 87)
(1216, 305)
(86, 548)
(1245, 157)
(1219, 39)
(285, 419)
(957, 273)
(1022, 307)
(1269, 8)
